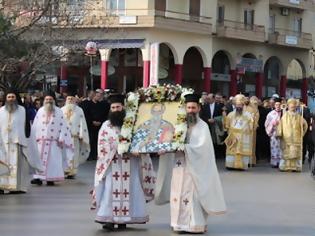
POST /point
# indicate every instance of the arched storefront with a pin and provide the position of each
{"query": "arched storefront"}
(248, 77)
(221, 67)
(166, 64)
(193, 70)
(273, 70)
(125, 69)
(295, 75)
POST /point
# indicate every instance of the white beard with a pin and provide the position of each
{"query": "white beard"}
(70, 107)
(69, 110)
(49, 107)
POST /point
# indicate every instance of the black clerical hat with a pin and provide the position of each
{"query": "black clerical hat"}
(116, 98)
(277, 100)
(12, 90)
(71, 93)
(192, 98)
(246, 94)
(50, 94)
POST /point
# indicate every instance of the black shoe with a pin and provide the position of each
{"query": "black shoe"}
(17, 192)
(108, 226)
(50, 183)
(70, 177)
(122, 226)
(37, 181)
(1, 191)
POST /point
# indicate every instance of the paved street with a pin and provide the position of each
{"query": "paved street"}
(262, 201)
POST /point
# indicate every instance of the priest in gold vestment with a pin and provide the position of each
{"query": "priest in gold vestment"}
(239, 143)
(291, 130)
(252, 108)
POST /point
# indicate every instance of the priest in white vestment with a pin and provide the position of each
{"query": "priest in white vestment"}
(54, 142)
(271, 124)
(196, 190)
(75, 118)
(123, 183)
(17, 156)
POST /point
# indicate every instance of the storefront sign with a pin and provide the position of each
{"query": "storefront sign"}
(297, 2)
(250, 65)
(221, 77)
(51, 79)
(154, 67)
(127, 20)
(291, 40)
(63, 83)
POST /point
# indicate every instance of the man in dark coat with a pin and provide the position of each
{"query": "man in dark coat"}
(96, 112)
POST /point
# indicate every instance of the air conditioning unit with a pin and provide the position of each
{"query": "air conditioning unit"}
(285, 11)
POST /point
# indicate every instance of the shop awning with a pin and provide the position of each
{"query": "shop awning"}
(121, 43)
(106, 43)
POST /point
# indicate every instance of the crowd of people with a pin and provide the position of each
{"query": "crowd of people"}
(283, 130)
(50, 137)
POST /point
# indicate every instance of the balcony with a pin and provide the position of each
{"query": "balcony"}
(240, 30)
(297, 4)
(289, 38)
(129, 18)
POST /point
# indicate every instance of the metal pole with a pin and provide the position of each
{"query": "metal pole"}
(91, 74)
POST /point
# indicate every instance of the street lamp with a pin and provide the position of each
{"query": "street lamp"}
(90, 50)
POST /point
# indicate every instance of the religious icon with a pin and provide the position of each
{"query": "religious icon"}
(155, 127)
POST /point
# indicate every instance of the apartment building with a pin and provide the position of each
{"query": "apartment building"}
(229, 46)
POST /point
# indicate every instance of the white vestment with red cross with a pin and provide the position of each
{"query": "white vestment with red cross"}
(123, 183)
(54, 144)
(196, 190)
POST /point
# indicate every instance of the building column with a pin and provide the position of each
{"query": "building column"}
(178, 74)
(283, 86)
(63, 86)
(104, 67)
(104, 74)
(304, 90)
(233, 82)
(207, 79)
(259, 84)
(146, 74)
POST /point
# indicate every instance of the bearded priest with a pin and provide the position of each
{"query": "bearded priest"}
(196, 190)
(291, 129)
(54, 143)
(75, 118)
(239, 142)
(123, 183)
(16, 149)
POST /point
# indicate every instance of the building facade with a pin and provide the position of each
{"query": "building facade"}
(257, 46)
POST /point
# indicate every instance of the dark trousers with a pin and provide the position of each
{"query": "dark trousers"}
(93, 133)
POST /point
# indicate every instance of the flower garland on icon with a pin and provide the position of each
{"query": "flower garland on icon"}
(154, 93)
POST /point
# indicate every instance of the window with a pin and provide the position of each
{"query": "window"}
(116, 7)
(160, 5)
(194, 7)
(220, 16)
(297, 25)
(249, 19)
(272, 23)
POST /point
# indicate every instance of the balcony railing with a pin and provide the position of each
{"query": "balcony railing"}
(291, 38)
(240, 30)
(299, 4)
(103, 17)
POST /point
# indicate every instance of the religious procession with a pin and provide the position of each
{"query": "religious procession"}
(160, 144)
